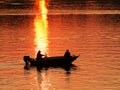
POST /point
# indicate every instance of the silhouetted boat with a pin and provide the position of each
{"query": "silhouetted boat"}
(56, 61)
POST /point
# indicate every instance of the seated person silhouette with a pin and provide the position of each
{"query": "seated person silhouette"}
(67, 54)
(39, 56)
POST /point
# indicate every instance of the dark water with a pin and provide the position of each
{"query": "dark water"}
(85, 4)
(95, 37)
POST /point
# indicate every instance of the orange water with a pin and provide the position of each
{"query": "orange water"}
(95, 37)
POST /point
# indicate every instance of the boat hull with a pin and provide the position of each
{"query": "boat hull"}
(53, 61)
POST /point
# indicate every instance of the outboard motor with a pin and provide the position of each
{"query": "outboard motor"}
(26, 60)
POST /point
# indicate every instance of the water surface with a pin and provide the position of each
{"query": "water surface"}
(95, 37)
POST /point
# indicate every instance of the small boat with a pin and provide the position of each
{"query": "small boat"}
(56, 61)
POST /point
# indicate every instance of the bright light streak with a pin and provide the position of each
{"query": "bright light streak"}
(41, 25)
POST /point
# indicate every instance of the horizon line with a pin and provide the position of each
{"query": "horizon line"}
(55, 12)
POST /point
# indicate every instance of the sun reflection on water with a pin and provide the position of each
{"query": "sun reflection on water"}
(41, 25)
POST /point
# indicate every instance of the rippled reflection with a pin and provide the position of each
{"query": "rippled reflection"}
(45, 84)
(40, 26)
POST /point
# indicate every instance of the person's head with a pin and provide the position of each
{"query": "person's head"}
(39, 51)
(67, 50)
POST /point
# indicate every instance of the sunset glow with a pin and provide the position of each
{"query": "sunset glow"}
(40, 24)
